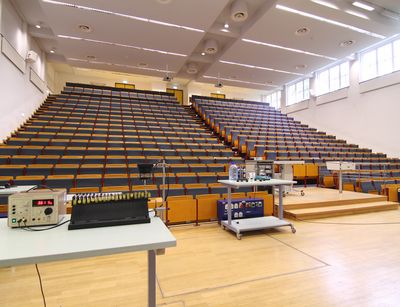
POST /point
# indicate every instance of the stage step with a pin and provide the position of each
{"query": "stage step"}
(339, 210)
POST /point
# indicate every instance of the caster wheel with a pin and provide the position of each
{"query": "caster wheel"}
(223, 227)
(238, 236)
(302, 193)
(293, 230)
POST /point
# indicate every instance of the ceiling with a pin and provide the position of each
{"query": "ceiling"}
(153, 37)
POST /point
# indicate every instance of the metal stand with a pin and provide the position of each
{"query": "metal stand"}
(242, 225)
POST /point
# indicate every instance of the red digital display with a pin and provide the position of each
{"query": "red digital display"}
(42, 202)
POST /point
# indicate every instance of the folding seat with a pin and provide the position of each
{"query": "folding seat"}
(116, 179)
(18, 141)
(111, 189)
(158, 177)
(191, 159)
(172, 189)
(367, 186)
(4, 180)
(60, 181)
(186, 178)
(136, 159)
(115, 151)
(207, 177)
(198, 167)
(65, 169)
(178, 168)
(39, 169)
(196, 189)
(29, 180)
(152, 189)
(216, 167)
(9, 149)
(70, 159)
(89, 168)
(115, 168)
(154, 159)
(217, 188)
(88, 180)
(76, 151)
(93, 159)
(20, 159)
(11, 170)
(100, 151)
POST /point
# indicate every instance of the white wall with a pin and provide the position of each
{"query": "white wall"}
(19, 96)
(367, 114)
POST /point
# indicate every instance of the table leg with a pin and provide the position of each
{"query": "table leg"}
(229, 205)
(151, 259)
(280, 206)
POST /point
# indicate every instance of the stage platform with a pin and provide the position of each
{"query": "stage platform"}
(321, 203)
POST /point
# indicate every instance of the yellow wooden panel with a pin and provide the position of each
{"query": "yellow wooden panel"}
(312, 170)
(329, 182)
(207, 206)
(299, 171)
(181, 211)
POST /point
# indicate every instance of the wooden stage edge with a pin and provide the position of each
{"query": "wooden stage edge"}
(321, 203)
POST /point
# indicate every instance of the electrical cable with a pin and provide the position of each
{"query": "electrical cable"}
(27, 228)
(41, 285)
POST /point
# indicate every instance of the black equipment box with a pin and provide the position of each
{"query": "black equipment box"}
(100, 210)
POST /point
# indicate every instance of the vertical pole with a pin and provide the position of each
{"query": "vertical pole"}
(151, 278)
(229, 205)
(340, 180)
(163, 190)
(280, 209)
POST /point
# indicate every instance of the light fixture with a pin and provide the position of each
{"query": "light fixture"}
(167, 77)
(174, 87)
(239, 11)
(330, 21)
(363, 5)
(302, 31)
(226, 25)
(121, 45)
(300, 66)
(203, 54)
(358, 14)
(141, 19)
(325, 3)
(38, 26)
(192, 68)
(288, 49)
(125, 82)
(52, 51)
(210, 46)
(224, 30)
(347, 43)
(260, 67)
(218, 92)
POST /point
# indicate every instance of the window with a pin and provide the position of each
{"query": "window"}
(274, 99)
(332, 79)
(380, 61)
(298, 91)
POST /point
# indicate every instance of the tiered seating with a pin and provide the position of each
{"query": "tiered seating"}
(92, 138)
(255, 129)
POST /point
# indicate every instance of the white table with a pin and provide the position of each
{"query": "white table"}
(16, 189)
(18, 246)
(241, 225)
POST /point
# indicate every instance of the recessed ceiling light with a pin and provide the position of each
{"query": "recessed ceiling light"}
(363, 6)
(238, 81)
(164, 1)
(91, 9)
(347, 43)
(226, 25)
(260, 67)
(325, 3)
(120, 45)
(288, 49)
(301, 66)
(38, 26)
(125, 82)
(224, 30)
(302, 31)
(174, 87)
(358, 14)
(218, 92)
(52, 51)
(203, 53)
(85, 28)
(91, 57)
(330, 21)
(143, 64)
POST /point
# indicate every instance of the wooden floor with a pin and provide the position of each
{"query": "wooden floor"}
(320, 265)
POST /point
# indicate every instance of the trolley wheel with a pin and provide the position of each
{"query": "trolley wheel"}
(293, 229)
(239, 236)
(302, 193)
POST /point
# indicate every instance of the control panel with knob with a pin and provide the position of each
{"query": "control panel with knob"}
(36, 208)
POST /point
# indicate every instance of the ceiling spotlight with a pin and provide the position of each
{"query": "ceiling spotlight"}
(239, 11)
(38, 26)
(125, 82)
(85, 28)
(52, 51)
(218, 92)
(174, 87)
(301, 66)
(210, 46)
(363, 5)
(347, 43)
(302, 31)
(192, 68)
(218, 84)
(203, 54)
(90, 57)
(226, 25)
(224, 30)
